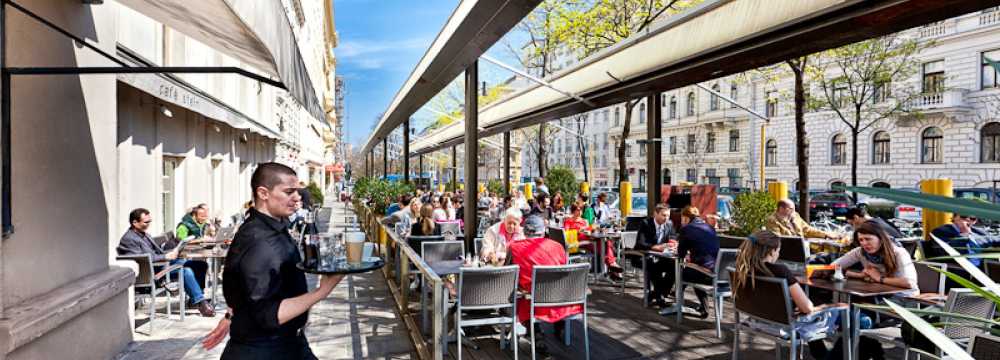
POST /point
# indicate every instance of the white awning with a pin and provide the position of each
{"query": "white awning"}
(256, 32)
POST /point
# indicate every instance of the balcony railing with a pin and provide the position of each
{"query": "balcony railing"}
(989, 18)
(944, 100)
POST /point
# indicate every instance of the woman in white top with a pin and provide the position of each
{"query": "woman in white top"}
(883, 261)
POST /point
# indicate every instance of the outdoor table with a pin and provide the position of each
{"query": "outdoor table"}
(599, 241)
(678, 306)
(852, 288)
(837, 245)
(446, 267)
(213, 257)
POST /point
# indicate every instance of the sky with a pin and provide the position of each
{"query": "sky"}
(381, 42)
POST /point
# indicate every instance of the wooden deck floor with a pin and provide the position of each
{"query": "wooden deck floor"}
(621, 328)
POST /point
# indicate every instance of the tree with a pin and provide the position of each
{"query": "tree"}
(561, 179)
(798, 68)
(856, 83)
(587, 28)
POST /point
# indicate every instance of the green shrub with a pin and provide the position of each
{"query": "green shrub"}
(562, 179)
(379, 193)
(317, 194)
(495, 186)
(750, 210)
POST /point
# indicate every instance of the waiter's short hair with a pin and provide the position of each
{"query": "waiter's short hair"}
(268, 175)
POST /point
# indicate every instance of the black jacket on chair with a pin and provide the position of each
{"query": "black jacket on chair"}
(647, 234)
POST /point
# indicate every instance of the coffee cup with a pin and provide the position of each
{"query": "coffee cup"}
(355, 247)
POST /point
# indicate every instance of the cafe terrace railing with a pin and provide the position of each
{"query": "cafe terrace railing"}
(399, 258)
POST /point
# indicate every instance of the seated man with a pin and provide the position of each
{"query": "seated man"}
(786, 222)
(653, 234)
(858, 215)
(497, 238)
(963, 236)
(194, 223)
(698, 243)
(136, 241)
(535, 249)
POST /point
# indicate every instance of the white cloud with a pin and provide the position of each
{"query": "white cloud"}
(352, 49)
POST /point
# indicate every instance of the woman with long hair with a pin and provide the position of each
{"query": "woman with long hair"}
(425, 224)
(440, 214)
(883, 261)
(575, 221)
(558, 205)
(756, 258)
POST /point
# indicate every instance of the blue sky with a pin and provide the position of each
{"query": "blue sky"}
(380, 43)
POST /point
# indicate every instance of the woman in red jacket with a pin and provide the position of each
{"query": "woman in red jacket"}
(575, 222)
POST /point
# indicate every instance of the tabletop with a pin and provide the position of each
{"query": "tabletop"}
(853, 287)
(828, 242)
(199, 252)
(604, 235)
(446, 267)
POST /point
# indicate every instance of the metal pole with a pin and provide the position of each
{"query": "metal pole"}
(406, 150)
(5, 111)
(654, 133)
(385, 157)
(454, 168)
(471, 153)
(506, 163)
(420, 166)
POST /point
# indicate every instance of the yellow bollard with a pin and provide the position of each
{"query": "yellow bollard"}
(625, 198)
(778, 190)
(527, 191)
(931, 218)
(382, 236)
(482, 187)
(585, 187)
(461, 186)
(440, 188)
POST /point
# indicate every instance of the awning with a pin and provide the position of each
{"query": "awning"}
(253, 31)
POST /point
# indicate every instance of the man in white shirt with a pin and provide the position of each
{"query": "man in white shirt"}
(602, 211)
(653, 235)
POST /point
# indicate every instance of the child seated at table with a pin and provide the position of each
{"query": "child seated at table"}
(757, 258)
(883, 261)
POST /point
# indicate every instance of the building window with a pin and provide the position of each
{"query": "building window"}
(642, 150)
(990, 73)
(991, 142)
(880, 148)
(841, 96)
(931, 141)
(642, 180)
(713, 101)
(713, 178)
(933, 77)
(771, 153)
(673, 107)
(734, 94)
(881, 185)
(666, 176)
(734, 140)
(692, 175)
(838, 150)
(642, 113)
(772, 104)
(691, 144)
(710, 142)
(618, 116)
(734, 178)
(690, 104)
(883, 90)
(663, 100)
(673, 145)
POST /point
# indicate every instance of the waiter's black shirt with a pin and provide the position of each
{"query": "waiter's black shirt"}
(260, 273)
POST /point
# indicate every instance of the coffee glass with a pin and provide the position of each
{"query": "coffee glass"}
(355, 247)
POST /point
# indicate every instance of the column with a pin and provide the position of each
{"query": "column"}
(654, 164)
(471, 152)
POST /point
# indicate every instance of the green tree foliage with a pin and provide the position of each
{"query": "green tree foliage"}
(495, 186)
(562, 179)
(749, 212)
(379, 193)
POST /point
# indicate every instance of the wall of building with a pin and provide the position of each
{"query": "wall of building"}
(64, 177)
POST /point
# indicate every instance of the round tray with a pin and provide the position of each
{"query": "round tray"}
(341, 267)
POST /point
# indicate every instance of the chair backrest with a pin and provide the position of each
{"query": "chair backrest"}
(928, 280)
(985, 347)
(629, 239)
(558, 235)
(794, 250)
(451, 229)
(725, 259)
(161, 240)
(144, 279)
(910, 247)
(487, 287)
(993, 270)
(966, 302)
(172, 239)
(484, 224)
(730, 242)
(477, 244)
(415, 241)
(559, 284)
(765, 298)
(432, 251)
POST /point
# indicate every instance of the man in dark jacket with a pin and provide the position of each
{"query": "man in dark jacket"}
(136, 241)
(653, 234)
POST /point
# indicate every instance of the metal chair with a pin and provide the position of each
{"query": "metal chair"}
(928, 280)
(985, 347)
(451, 229)
(730, 242)
(992, 269)
(560, 285)
(910, 244)
(487, 288)
(965, 302)
(719, 288)
(795, 252)
(769, 303)
(147, 281)
(477, 244)
(433, 251)
(626, 250)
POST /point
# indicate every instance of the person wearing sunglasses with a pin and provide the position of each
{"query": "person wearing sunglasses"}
(962, 235)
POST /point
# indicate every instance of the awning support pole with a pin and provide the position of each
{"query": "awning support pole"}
(471, 152)
(385, 157)
(406, 150)
(506, 163)
(454, 168)
(654, 164)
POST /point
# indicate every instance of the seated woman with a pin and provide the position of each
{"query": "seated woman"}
(493, 249)
(698, 244)
(574, 221)
(425, 225)
(882, 260)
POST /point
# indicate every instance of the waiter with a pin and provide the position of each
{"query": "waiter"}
(268, 297)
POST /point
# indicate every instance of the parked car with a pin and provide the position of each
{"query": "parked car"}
(835, 203)
(982, 194)
(640, 203)
(907, 212)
